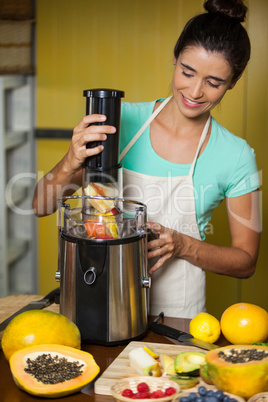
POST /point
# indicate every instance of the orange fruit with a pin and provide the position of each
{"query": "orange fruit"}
(244, 324)
(205, 327)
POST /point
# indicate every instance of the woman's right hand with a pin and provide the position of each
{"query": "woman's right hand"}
(65, 178)
(86, 131)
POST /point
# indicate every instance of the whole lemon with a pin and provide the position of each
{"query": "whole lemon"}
(38, 327)
(205, 327)
(244, 324)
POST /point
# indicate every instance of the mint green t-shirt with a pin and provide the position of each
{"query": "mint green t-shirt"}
(226, 168)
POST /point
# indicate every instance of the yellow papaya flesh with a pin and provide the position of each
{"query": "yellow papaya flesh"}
(38, 327)
(62, 363)
(234, 369)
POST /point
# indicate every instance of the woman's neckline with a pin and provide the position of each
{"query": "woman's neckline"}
(173, 163)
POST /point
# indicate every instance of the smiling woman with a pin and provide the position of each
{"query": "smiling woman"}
(201, 79)
(185, 156)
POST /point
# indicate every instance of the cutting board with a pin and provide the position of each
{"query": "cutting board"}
(120, 367)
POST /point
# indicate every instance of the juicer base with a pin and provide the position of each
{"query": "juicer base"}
(121, 342)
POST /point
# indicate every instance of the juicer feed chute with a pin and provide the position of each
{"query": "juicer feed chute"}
(104, 166)
(102, 174)
(104, 279)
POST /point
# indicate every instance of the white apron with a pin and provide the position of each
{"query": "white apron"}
(178, 287)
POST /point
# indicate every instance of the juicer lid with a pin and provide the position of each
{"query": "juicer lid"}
(103, 93)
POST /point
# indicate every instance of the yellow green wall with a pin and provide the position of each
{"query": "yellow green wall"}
(128, 45)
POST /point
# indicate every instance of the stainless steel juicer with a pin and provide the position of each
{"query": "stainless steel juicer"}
(102, 268)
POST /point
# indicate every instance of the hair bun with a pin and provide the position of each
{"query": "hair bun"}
(230, 8)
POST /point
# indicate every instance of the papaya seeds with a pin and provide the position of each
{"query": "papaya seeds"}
(52, 371)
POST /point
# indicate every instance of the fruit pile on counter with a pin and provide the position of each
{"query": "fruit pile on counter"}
(43, 350)
(240, 369)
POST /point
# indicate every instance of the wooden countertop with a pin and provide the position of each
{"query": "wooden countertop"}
(104, 355)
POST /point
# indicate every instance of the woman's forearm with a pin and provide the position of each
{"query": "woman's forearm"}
(54, 185)
(232, 261)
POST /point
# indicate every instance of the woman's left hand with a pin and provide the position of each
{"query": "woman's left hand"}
(237, 260)
(166, 244)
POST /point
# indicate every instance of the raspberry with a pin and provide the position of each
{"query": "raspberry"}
(142, 387)
(145, 395)
(138, 395)
(141, 395)
(127, 392)
(170, 391)
(158, 394)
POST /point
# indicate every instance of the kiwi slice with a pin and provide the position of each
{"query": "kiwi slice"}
(184, 381)
(204, 374)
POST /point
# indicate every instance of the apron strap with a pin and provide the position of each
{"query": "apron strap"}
(202, 139)
(143, 128)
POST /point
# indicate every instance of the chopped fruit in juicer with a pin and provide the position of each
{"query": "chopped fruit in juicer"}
(104, 229)
(115, 211)
(99, 189)
(106, 208)
(94, 230)
(103, 190)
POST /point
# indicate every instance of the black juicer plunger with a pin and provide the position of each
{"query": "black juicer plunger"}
(104, 167)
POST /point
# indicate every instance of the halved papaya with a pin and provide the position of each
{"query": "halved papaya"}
(51, 370)
(241, 370)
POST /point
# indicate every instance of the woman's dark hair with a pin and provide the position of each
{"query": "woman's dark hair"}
(219, 30)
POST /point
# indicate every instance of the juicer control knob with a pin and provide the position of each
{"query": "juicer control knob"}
(146, 282)
(90, 276)
(57, 276)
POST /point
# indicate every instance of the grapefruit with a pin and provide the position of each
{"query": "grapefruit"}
(244, 324)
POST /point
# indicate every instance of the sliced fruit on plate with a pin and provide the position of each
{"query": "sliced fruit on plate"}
(151, 351)
(144, 363)
(204, 374)
(185, 382)
(189, 363)
(167, 363)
